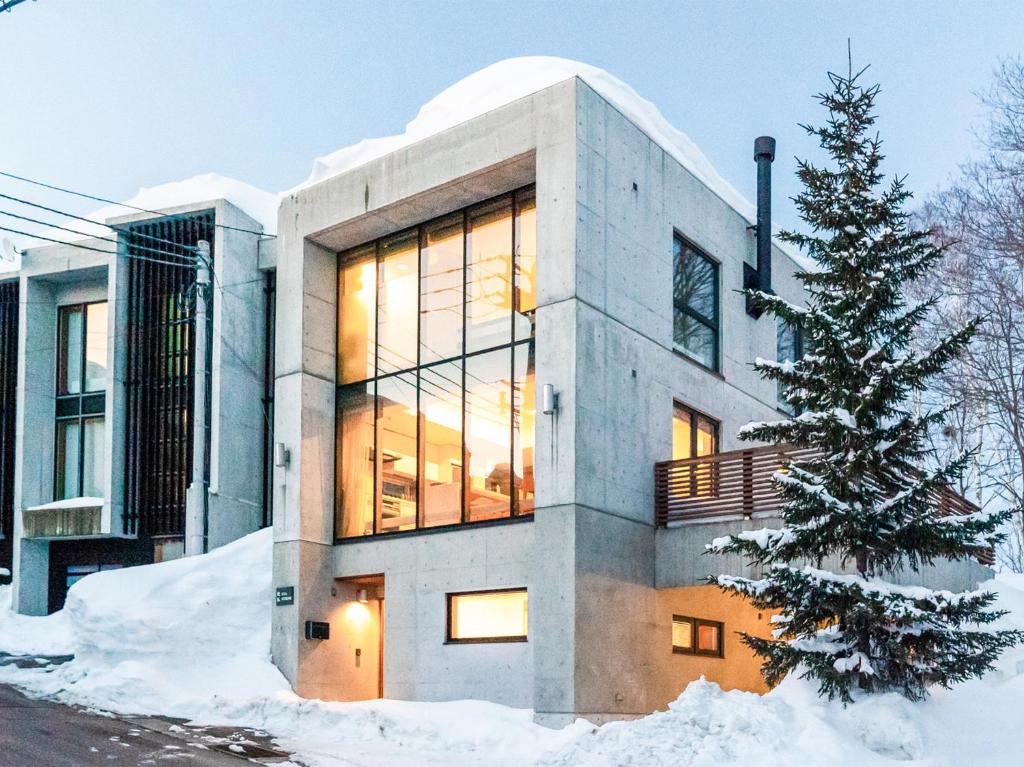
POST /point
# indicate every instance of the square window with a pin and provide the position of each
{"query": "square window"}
(708, 638)
(682, 634)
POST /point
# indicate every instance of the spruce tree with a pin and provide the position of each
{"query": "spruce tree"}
(865, 500)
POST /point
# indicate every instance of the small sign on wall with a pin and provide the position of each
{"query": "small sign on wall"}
(284, 595)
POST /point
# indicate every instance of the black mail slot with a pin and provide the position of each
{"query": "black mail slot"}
(318, 630)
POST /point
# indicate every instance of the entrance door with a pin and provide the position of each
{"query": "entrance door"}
(358, 637)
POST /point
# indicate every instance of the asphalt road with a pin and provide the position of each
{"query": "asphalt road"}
(43, 734)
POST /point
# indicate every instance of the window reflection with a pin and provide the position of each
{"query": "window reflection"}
(96, 347)
(357, 306)
(489, 276)
(396, 304)
(355, 463)
(396, 452)
(441, 276)
(441, 414)
(436, 402)
(488, 435)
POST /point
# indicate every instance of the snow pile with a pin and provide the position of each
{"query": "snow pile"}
(791, 725)
(512, 79)
(191, 638)
(259, 204)
(24, 635)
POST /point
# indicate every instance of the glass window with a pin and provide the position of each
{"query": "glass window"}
(441, 413)
(397, 287)
(354, 457)
(788, 348)
(695, 299)
(436, 400)
(488, 425)
(396, 452)
(489, 276)
(96, 347)
(524, 393)
(357, 307)
(526, 265)
(695, 636)
(80, 454)
(70, 362)
(693, 435)
(441, 279)
(488, 616)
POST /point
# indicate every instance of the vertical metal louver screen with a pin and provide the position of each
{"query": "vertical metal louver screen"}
(160, 363)
(8, 391)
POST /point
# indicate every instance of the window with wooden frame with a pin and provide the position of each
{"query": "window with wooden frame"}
(695, 330)
(696, 636)
(789, 347)
(486, 616)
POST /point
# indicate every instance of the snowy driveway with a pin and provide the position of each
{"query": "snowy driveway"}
(36, 733)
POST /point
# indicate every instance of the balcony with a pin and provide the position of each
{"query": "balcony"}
(737, 485)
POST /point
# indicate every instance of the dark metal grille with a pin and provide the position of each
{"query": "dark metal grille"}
(8, 390)
(269, 335)
(160, 378)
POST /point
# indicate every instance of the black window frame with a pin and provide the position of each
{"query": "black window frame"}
(798, 353)
(714, 323)
(695, 415)
(85, 405)
(693, 649)
(449, 639)
(519, 199)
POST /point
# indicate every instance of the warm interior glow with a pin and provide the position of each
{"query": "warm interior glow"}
(489, 615)
(682, 634)
(707, 638)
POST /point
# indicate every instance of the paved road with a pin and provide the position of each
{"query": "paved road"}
(42, 734)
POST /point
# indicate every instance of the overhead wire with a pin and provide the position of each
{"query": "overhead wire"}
(96, 198)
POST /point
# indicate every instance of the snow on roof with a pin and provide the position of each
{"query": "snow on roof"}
(506, 81)
(85, 502)
(257, 203)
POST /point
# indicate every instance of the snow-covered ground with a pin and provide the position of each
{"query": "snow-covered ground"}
(191, 638)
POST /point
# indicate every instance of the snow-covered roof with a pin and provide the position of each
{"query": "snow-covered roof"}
(511, 79)
(85, 502)
(257, 203)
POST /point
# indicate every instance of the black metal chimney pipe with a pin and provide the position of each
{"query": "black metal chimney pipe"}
(761, 279)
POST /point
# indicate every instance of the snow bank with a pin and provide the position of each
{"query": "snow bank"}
(512, 79)
(259, 204)
(25, 635)
(191, 638)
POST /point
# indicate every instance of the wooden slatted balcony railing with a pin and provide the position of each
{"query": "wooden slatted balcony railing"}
(738, 485)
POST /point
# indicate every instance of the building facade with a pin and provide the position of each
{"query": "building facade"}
(142, 429)
(487, 340)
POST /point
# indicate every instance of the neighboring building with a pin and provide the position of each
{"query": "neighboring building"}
(438, 535)
(108, 423)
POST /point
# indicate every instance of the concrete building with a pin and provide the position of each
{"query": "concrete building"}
(487, 339)
(114, 462)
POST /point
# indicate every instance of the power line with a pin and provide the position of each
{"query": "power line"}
(86, 220)
(122, 204)
(96, 250)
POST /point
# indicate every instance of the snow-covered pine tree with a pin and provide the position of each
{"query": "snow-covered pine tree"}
(866, 501)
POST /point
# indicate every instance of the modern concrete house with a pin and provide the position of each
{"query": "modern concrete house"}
(487, 341)
(142, 430)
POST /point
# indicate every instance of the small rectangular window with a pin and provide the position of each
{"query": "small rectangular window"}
(788, 348)
(694, 636)
(487, 616)
(695, 303)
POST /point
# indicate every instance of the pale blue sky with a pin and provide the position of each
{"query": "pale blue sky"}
(109, 95)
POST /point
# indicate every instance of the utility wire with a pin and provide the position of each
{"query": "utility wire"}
(96, 250)
(91, 221)
(122, 204)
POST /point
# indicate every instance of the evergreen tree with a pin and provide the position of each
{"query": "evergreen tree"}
(864, 499)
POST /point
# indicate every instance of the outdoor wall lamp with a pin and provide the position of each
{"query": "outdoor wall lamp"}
(282, 455)
(361, 596)
(549, 400)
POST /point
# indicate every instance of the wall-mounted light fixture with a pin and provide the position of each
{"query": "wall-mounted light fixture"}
(549, 400)
(282, 455)
(362, 596)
